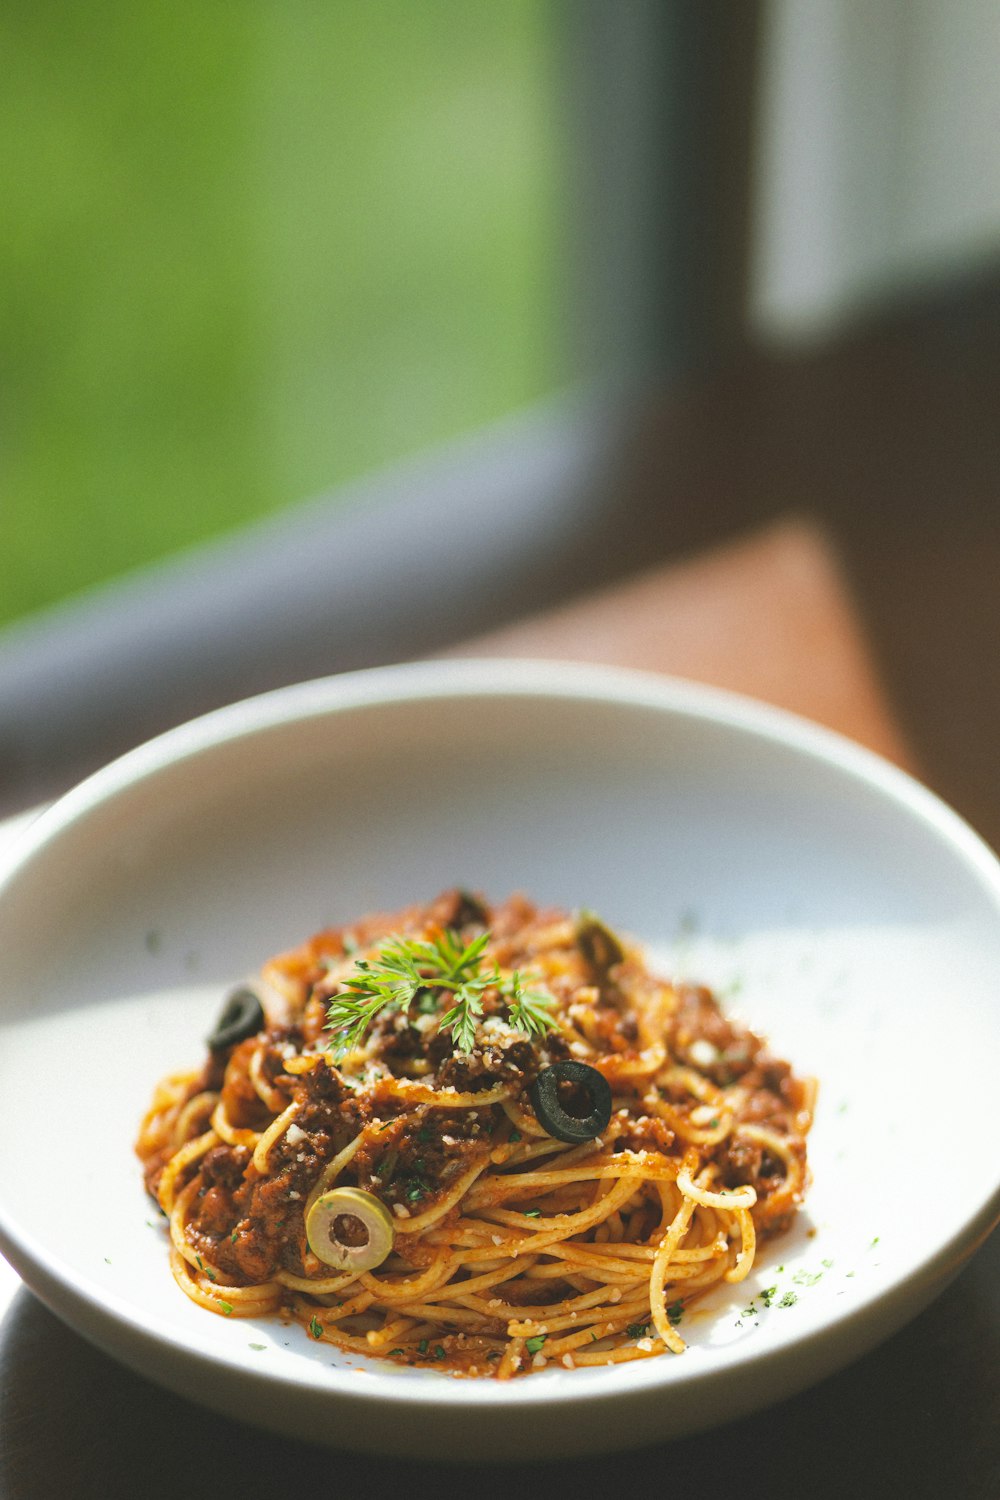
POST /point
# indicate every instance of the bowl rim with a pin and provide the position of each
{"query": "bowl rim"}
(494, 678)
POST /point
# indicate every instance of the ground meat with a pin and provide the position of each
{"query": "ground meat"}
(224, 1166)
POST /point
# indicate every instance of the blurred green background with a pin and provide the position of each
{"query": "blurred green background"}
(247, 252)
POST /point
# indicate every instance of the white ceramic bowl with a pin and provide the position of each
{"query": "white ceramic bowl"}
(841, 906)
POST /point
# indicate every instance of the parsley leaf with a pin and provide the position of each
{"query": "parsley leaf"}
(407, 971)
(533, 1345)
(530, 1010)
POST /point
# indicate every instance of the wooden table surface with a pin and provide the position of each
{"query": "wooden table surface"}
(770, 616)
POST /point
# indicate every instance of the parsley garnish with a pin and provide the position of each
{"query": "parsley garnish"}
(675, 1312)
(788, 1300)
(227, 1307)
(406, 971)
(768, 1295)
(637, 1330)
(532, 1213)
(533, 1345)
(530, 1009)
(422, 1346)
(315, 1327)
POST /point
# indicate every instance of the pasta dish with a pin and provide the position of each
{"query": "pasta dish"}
(482, 1138)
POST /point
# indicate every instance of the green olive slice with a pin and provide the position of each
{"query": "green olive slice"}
(572, 1101)
(350, 1229)
(601, 947)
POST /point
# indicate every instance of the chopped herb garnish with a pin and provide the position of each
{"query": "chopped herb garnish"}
(438, 1352)
(749, 1312)
(315, 1327)
(227, 1307)
(258, 1346)
(515, 1135)
(807, 1278)
(788, 1300)
(395, 1351)
(422, 1346)
(874, 1243)
(534, 1344)
(415, 1191)
(408, 971)
(233, 1237)
(768, 1295)
(675, 1312)
(637, 1330)
(532, 1213)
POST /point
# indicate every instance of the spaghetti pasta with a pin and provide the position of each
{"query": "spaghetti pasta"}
(517, 1226)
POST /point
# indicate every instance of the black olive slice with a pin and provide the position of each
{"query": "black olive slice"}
(572, 1101)
(599, 945)
(242, 1016)
(469, 909)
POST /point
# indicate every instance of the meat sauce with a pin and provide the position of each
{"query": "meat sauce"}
(250, 1225)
